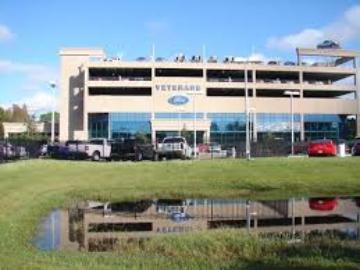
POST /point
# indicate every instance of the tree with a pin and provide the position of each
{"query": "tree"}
(47, 117)
(19, 114)
(15, 114)
(3, 118)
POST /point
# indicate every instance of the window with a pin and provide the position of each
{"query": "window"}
(119, 74)
(227, 92)
(321, 126)
(215, 75)
(126, 125)
(119, 91)
(98, 125)
(227, 128)
(177, 72)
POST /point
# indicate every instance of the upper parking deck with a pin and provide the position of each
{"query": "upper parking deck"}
(308, 60)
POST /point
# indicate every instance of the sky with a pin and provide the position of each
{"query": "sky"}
(33, 32)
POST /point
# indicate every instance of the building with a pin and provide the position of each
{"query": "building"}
(15, 128)
(112, 98)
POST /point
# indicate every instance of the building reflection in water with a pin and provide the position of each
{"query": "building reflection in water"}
(98, 226)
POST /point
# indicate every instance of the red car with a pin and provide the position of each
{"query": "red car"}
(322, 204)
(321, 148)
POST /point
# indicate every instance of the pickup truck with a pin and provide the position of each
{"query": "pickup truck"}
(96, 149)
(174, 147)
(131, 149)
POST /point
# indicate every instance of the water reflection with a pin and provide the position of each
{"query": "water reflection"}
(98, 226)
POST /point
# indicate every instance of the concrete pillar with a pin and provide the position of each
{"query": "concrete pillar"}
(153, 135)
(206, 136)
(302, 128)
(301, 81)
(254, 82)
(357, 82)
(254, 128)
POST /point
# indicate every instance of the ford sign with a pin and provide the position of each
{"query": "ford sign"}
(178, 100)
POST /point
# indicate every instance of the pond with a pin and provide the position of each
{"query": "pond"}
(98, 226)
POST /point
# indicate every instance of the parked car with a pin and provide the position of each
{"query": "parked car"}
(10, 151)
(160, 59)
(141, 59)
(212, 59)
(289, 63)
(174, 147)
(58, 151)
(228, 59)
(323, 204)
(322, 148)
(355, 151)
(196, 59)
(98, 149)
(131, 149)
(203, 148)
(180, 58)
(77, 149)
(273, 62)
(214, 147)
(329, 44)
(6, 151)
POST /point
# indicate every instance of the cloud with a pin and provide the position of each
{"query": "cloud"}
(255, 57)
(35, 88)
(345, 29)
(5, 33)
(39, 102)
(33, 72)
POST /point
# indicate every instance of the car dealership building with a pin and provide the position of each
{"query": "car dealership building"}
(113, 98)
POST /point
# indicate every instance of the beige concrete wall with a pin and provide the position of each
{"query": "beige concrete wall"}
(76, 104)
(72, 89)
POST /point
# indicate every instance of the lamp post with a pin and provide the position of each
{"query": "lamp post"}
(194, 123)
(180, 111)
(53, 87)
(247, 126)
(292, 94)
(252, 114)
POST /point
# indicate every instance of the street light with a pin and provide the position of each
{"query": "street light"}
(292, 94)
(180, 111)
(53, 86)
(252, 114)
(194, 124)
(247, 126)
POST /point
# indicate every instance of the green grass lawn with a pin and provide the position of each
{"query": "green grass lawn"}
(30, 189)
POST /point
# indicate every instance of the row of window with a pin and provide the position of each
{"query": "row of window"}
(144, 74)
(219, 92)
(226, 128)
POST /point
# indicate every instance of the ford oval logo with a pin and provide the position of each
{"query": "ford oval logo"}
(178, 100)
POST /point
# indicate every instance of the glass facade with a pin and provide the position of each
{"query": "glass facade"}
(125, 125)
(329, 126)
(227, 128)
(98, 125)
(277, 126)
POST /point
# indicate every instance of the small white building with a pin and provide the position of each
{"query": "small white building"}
(21, 127)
